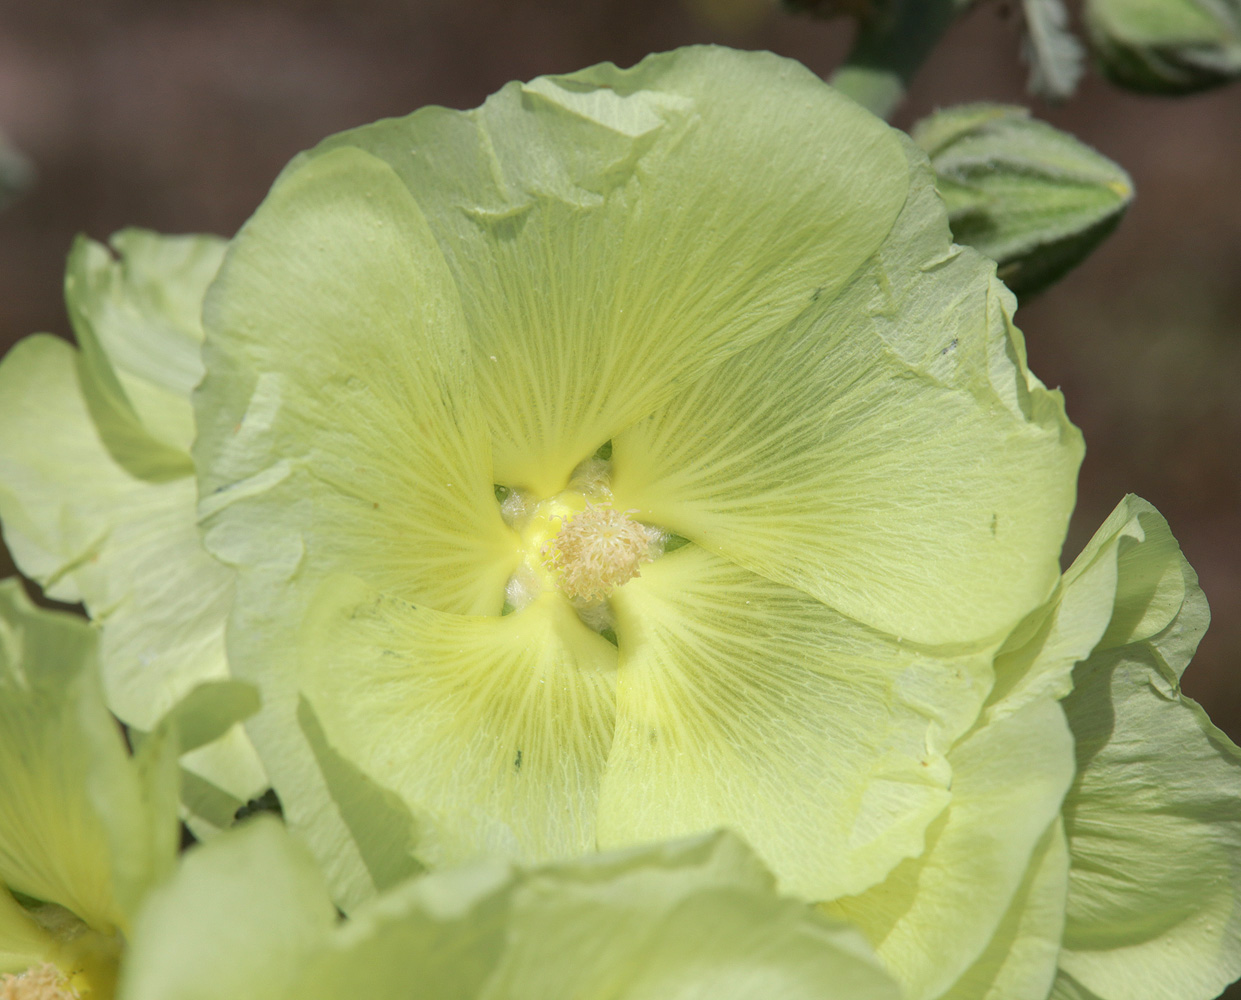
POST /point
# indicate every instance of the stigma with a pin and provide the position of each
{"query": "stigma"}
(596, 550)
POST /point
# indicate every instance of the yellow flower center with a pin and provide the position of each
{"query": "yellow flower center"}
(579, 544)
(43, 982)
(595, 551)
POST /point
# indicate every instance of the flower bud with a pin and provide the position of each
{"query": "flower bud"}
(1029, 196)
(1166, 46)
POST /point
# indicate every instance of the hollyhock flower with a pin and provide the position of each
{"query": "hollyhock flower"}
(632, 456)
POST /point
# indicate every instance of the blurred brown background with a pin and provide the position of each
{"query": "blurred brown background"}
(176, 115)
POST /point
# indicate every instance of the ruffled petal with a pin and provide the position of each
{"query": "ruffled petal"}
(1037, 660)
(933, 918)
(128, 548)
(338, 422)
(889, 453)
(744, 703)
(690, 919)
(495, 729)
(615, 232)
(339, 432)
(136, 309)
(1154, 817)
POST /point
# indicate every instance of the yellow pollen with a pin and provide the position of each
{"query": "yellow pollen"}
(595, 551)
(43, 982)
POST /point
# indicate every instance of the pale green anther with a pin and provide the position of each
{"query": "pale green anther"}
(1034, 199)
(1166, 46)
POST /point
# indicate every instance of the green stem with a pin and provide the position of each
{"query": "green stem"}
(890, 48)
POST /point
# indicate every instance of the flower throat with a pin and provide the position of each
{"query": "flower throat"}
(577, 543)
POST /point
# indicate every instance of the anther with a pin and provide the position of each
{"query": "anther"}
(598, 549)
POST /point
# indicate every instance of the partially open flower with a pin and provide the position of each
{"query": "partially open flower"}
(85, 830)
(460, 360)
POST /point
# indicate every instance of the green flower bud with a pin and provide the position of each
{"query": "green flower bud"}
(1166, 46)
(1029, 196)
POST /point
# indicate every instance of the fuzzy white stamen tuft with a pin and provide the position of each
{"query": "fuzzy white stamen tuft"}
(598, 549)
(43, 982)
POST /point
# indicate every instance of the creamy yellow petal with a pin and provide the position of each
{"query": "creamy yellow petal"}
(238, 919)
(614, 231)
(1154, 825)
(747, 704)
(688, 920)
(888, 453)
(338, 421)
(933, 918)
(494, 728)
(136, 308)
(23, 943)
(1020, 961)
(84, 826)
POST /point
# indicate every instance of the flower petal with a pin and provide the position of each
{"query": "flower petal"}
(684, 920)
(445, 933)
(744, 703)
(692, 919)
(238, 919)
(339, 431)
(613, 231)
(934, 916)
(889, 453)
(377, 836)
(83, 826)
(128, 548)
(495, 728)
(1037, 660)
(1020, 961)
(1154, 818)
(209, 740)
(23, 943)
(338, 421)
(1067, 988)
(137, 320)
